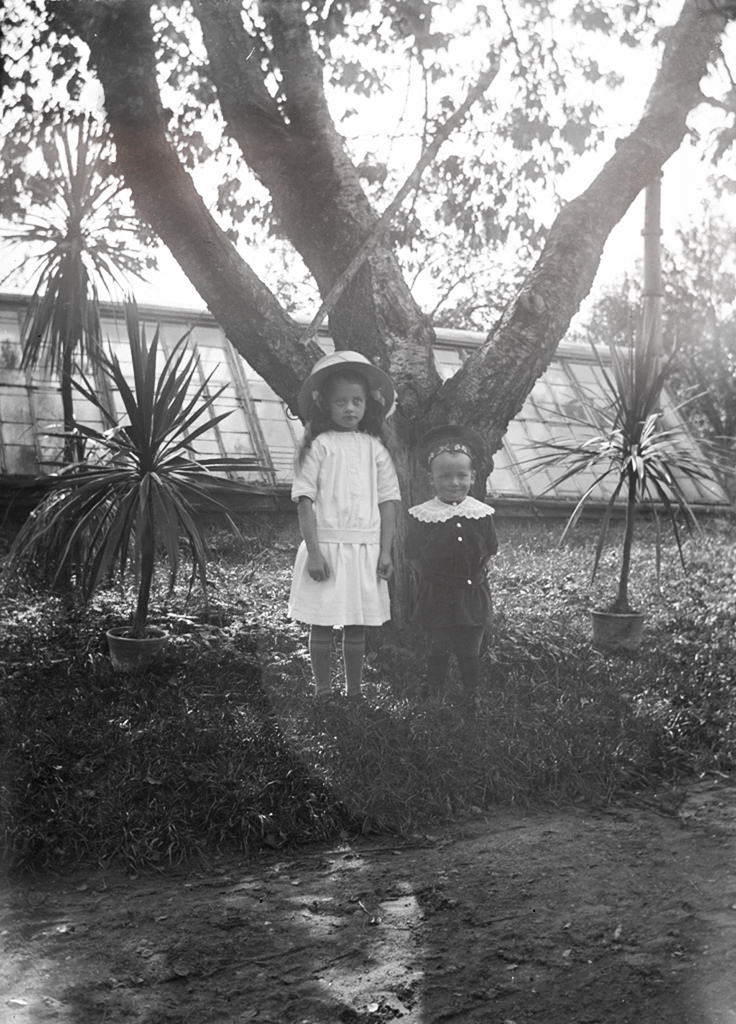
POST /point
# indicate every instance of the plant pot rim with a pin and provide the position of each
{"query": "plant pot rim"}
(621, 615)
(123, 633)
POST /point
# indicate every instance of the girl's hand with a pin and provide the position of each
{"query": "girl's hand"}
(317, 567)
(385, 568)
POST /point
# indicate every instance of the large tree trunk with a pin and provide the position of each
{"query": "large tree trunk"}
(297, 153)
(317, 195)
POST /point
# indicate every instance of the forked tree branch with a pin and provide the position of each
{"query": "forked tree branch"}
(235, 59)
(411, 182)
(490, 388)
(301, 71)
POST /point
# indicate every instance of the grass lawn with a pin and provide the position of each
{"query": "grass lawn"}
(222, 747)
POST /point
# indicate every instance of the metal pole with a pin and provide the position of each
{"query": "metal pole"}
(652, 294)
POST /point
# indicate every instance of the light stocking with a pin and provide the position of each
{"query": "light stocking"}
(353, 650)
(320, 647)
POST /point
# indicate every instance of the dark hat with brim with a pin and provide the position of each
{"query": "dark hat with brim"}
(379, 383)
(450, 437)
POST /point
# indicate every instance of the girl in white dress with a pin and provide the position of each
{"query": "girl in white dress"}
(345, 487)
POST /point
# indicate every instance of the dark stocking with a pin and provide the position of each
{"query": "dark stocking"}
(469, 673)
(437, 664)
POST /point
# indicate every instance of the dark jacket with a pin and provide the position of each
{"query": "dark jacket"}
(449, 560)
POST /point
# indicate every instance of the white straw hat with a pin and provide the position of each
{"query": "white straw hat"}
(379, 383)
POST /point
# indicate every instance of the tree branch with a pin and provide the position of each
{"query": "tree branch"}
(490, 388)
(301, 71)
(319, 201)
(120, 38)
(425, 130)
(411, 182)
(235, 56)
(314, 187)
(720, 104)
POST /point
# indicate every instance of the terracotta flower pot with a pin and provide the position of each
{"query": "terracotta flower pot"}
(617, 631)
(129, 653)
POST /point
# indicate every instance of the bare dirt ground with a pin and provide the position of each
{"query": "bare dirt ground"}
(572, 916)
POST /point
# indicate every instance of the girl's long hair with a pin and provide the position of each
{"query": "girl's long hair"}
(319, 421)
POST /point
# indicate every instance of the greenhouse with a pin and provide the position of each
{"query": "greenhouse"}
(259, 423)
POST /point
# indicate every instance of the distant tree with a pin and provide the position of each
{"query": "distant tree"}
(615, 312)
(699, 322)
(700, 298)
(75, 232)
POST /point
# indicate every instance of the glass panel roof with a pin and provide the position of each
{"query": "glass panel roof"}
(260, 424)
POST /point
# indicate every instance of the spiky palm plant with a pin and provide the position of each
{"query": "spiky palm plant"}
(141, 488)
(626, 442)
(75, 237)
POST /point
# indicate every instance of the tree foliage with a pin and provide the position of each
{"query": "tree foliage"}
(72, 232)
(699, 321)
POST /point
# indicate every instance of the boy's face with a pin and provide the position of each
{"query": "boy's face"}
(452, 476)
(346, 403)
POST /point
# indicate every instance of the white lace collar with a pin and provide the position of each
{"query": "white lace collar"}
(436, 511)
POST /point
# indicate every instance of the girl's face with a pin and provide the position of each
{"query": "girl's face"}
(452, 476)
(346, 401)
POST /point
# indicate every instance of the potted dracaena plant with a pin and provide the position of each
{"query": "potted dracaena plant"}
(139, 491)
(626, 439)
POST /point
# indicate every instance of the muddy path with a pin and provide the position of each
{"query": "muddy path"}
(573, 916)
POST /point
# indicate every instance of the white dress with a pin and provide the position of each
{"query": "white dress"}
(347, 474)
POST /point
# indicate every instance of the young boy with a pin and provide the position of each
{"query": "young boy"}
(450, 539)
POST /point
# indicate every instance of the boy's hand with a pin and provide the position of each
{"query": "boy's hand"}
(317, 567)
(385, 568)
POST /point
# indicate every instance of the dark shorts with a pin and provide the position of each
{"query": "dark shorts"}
(464, 641)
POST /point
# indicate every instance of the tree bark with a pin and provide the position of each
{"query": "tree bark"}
(317, 195)
(120, 38)
(411, 183)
